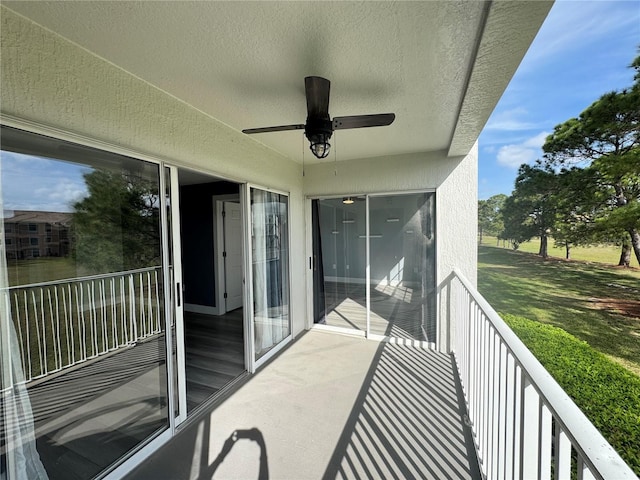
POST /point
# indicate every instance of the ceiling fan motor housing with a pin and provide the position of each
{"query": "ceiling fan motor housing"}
(318, 126)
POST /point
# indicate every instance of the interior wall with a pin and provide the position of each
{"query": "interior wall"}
(344, 244)
(50, 82)
(454, 180)
(198, 240)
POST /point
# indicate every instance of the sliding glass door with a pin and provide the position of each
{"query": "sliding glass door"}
(341, 256)
(83, 315)
(374, 264)
(270, 320)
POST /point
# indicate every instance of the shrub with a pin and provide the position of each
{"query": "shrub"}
(607, 393)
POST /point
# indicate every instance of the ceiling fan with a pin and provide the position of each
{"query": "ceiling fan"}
(319, 126)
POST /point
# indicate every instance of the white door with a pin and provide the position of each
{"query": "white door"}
(232, 225)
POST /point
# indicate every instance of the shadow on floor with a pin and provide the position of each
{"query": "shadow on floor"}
(329, 406)
(407, 421)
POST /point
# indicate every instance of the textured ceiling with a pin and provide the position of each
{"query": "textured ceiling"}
(440, 66)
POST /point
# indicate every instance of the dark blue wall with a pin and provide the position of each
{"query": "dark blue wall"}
(196, 225)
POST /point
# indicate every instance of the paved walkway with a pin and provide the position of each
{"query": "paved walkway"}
(330, 406)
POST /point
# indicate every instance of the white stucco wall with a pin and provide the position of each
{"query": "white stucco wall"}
(453, 179)
(47, 80)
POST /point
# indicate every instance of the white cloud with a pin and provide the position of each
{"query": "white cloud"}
(65, 192)
(510, 120)
(514, 155)
(537, 141)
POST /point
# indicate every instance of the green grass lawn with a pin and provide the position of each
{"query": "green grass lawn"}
(607, 254)
(598, 304)
(44, 269)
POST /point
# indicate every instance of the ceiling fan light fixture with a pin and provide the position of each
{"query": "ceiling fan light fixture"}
(347, 200)
(320, 145)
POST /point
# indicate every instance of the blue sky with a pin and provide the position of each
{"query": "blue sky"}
(582, 51)
(34, 183)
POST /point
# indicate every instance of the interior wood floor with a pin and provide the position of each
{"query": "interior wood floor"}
(214, 353)
(396, 311)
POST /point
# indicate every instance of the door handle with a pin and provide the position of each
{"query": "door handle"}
(178, 291)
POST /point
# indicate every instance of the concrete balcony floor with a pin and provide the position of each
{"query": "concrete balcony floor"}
(330, 406)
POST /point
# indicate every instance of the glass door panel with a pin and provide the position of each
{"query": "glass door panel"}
(83, 305)
(340, 262)
(269, 269)
(402, 260)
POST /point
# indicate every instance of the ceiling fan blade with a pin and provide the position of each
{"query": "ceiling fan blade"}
(281, 128)
(317, 93)
(361, 121)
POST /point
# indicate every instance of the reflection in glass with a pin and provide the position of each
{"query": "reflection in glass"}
(270, 254)
(84, 300)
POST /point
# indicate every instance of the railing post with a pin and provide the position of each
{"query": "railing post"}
(82, 333)
(509, 407)
(132, 309)
(123, 310)
(529, 432)
(492, 410)
(44, 363)
(103, 316)
(583, 470)
(502, 409)
(143, 318)
(115, 342)
(545, 442)
(562, 454)
(57, 342)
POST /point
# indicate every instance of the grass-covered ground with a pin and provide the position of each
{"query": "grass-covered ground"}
(606, 254)
(44, 269)
(599, 304)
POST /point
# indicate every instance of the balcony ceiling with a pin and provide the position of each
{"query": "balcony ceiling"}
(440, 66)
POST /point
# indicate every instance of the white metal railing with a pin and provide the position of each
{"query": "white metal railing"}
(63, 323)
(525, 426)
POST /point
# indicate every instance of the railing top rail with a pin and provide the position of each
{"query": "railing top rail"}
(86, 278)
(596, 450)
